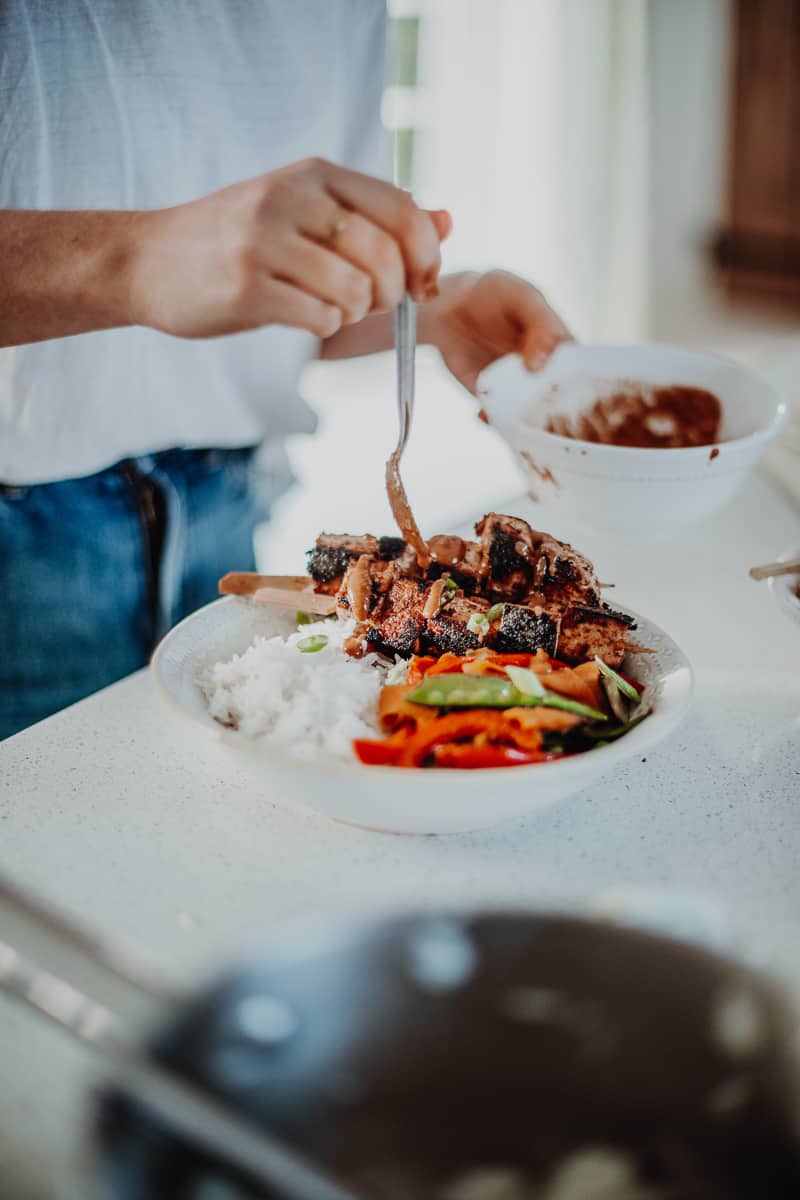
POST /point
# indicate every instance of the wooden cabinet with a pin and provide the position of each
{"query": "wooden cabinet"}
(759, 246)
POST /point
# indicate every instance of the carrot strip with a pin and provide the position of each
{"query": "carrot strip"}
(395, 710)
(417, 667)
(448, 664)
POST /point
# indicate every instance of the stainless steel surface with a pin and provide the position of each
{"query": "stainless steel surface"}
(405, 338)
(62, 968)
(105, 996)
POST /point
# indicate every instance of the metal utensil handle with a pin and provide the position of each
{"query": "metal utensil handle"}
(405, 336)
(119, 979)
(97, 1021)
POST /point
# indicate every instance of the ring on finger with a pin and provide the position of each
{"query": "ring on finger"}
(337, 226)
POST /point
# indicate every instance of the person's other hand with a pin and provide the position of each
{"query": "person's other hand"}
(479, 318)
(311, 245)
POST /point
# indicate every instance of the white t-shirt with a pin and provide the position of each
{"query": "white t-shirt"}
(148, 103)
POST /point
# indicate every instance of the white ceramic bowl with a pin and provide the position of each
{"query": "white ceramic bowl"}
(387, 798)
(637, 493)
(783, 587)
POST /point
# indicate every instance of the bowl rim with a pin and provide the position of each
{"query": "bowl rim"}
(655, 455)
(643, 737)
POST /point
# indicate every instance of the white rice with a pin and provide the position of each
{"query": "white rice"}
(311, 705)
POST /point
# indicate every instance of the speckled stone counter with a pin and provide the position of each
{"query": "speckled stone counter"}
(122, 818)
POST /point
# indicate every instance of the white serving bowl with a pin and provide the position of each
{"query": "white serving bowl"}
(783, 587)
(388, 798)
(638, 493)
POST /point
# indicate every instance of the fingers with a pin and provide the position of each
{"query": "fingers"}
(322, 274)
(442, 221)
(377, 255)
(541, 329)
(393, 210)
(288, 305)
(466, 361)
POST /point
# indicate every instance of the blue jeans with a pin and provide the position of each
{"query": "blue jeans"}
(93, 571)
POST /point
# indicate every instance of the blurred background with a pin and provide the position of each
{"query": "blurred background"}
(638, 159)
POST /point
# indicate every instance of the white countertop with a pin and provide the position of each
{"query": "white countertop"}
(117, 813)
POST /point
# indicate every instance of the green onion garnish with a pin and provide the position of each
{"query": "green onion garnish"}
(450, 584)
(311, 645)
(621, 684)
(525, 681)
(304, 618)
(478, 623)
(494, 612)
(609, 734)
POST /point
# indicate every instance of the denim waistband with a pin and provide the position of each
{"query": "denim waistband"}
(174, 459)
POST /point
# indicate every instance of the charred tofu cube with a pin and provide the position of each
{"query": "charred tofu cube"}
(390, 548)
(466, 573)
(524, 631)
(398, 628)
(507, 544)
(586, 632)
(326, 566)
(332, 555)
(448, 628)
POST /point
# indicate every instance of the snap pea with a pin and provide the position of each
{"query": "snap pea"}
(465, 691)
(491, 691)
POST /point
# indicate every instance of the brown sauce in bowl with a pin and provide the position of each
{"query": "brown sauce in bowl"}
(655, 418)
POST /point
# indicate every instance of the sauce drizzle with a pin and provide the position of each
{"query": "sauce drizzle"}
(447, 548)
(359, 587)
(401, 511)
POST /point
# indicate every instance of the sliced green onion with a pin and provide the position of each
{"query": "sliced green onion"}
(478, 623)
(526, 681)
(494, 612)
(553, 700)
(626, 688)
(602, 736)
(450, 584)
(305, 618)
(311, 645)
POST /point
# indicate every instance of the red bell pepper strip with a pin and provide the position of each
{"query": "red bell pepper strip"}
(384, 753)
(468, 756)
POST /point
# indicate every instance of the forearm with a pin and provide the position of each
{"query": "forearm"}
(376, 333)
(63, 273)
(369, 336)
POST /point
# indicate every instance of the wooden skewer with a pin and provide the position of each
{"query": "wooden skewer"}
(777, 568)
(309, 602)
(244, 583)
(288, 591)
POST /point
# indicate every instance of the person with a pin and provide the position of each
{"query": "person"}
(191, 209)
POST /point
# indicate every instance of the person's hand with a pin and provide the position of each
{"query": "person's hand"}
(479, 318)
(311, 245)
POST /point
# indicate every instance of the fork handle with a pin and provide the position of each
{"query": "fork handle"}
(405, 336)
